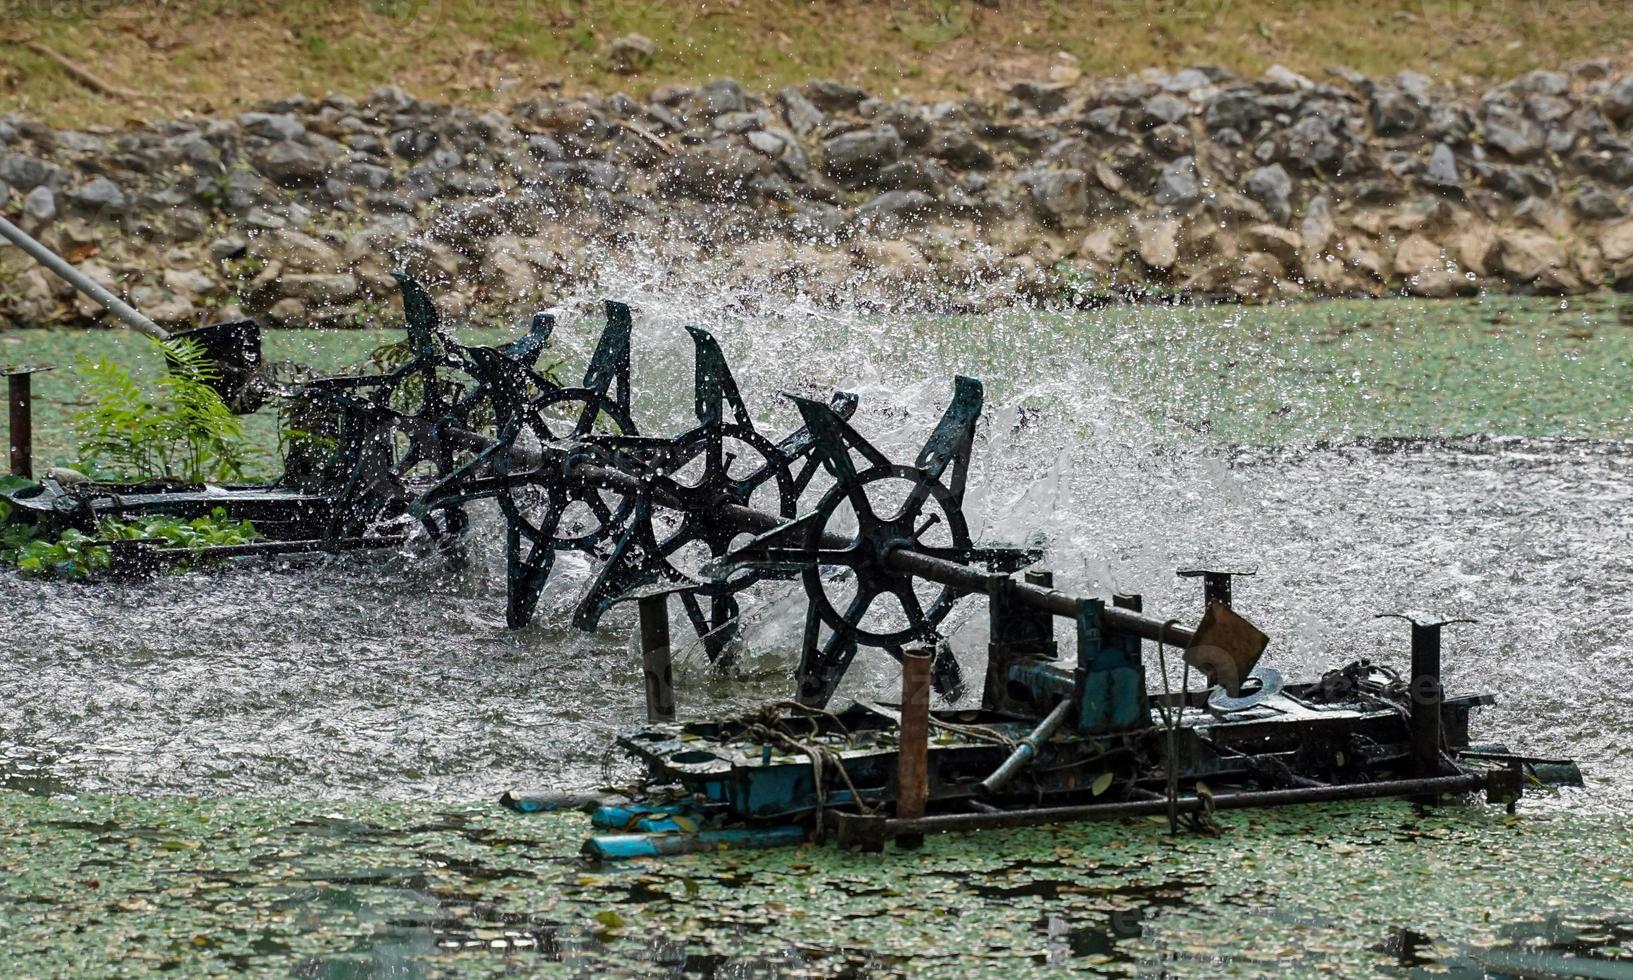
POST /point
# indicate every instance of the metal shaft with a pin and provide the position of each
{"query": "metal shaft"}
(1439, 785)
(1028, 749)
(122, 311)
(903, 560)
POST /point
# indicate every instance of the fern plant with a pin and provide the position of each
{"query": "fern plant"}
(184, 432)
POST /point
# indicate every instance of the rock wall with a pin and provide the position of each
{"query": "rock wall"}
(1193, 182)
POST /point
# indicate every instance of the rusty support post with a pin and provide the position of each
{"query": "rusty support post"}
(1216, 583)
(1424, 690)
(20, 399)
(1426, 700)
(655, 653)
(913, 760)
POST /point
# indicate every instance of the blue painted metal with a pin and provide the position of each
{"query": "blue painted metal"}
(625, 816)
(1110, 677)
(622, 847)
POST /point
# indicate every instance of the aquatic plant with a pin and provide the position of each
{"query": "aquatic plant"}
(75, 554)
(183, 432)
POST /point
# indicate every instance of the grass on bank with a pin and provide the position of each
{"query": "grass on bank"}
(223, 55)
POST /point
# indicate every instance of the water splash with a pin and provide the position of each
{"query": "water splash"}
(369, 676)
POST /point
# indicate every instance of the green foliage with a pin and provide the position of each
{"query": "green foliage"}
(185, 432)
(15, 535)
(75, 554)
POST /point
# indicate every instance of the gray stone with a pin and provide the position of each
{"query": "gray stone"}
(190, 283)
(1442, 169)
(290, 164)
(193, 148)
(913, 175)
(1188, 80)
(1169, 141)
(318, 287)
(1045, 98)
(1164, 109)
(856, 158)
(768, 143)
(1547, 109)
(1528, 255)
(1512, 133)
(1105, 119)
(272, 126)
(1544, 82)
(1312, 146)
(161, 305)
(631, 54)
(40, 204)
(288, 310)
(1285, 78)
(295, 250)
(721, 96)
(1394, 111)
(1451, 124)
(1272, 188)
(715, 171)
(81, 142)
(1614, 164)
(1593, 203)
(414, 144)
(598, 174)
(1237, 109)
(1617, 102)
(899, 205)
(802, 115)
(544, 148)
(1157, 242)
(1177, 184)
(368, 175)
(264, 220)
(831, 96)
(100, 194)
(1317, 229)
(1060, 197)
(27, 173)
(742, 122)
(390, 99)
(961, 149)
(227, 247)
(366, 143)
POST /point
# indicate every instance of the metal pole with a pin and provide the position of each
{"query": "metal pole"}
(660, 680)
(1464, 783)
(913, 755)
(122, 311)
(1028, 749)
(1426, 700)
(20, 397)
(1424, 723)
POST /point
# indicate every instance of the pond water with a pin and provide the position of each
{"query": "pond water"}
(1466, 457)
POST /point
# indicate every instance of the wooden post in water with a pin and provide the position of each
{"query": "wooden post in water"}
(913, 760)
(660, 678)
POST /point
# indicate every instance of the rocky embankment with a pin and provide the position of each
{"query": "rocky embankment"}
(1193, 182)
